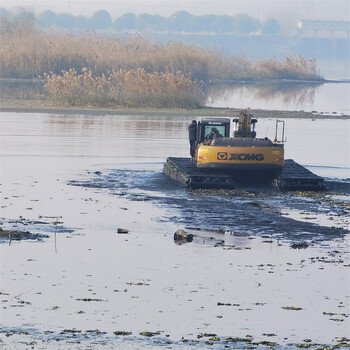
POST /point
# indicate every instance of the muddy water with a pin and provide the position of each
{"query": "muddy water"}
(262, 266)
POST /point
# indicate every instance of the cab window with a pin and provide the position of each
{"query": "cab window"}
(209, 128)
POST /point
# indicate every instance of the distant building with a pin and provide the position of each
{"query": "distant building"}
(324, 29)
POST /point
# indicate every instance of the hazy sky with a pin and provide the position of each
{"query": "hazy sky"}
(308, 9)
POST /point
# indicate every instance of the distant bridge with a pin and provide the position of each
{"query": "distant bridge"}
(330, 29)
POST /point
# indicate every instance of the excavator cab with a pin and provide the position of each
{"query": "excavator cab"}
(209, 128)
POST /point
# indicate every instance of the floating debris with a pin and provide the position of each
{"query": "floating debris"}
(296, 308)
(89, 299)
(19, 235)
(122, 230)
(299, 245)
(150, 334)
(181, 235)
(122, 333)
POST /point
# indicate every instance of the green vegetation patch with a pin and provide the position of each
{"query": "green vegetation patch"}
(149, 334)
(295, 308)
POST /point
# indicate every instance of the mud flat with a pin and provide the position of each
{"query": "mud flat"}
(264, 269)
(226, 289)
(41, 106)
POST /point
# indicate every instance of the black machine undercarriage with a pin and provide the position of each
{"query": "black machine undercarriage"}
(294, 177)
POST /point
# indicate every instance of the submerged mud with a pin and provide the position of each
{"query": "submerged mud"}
(34, 230)
(254, 259)
(256, 211)
(264, 268)
(98, 339)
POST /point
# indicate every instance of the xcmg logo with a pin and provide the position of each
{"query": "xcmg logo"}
(240, 156)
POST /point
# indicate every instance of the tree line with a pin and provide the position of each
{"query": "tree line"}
(181, 21)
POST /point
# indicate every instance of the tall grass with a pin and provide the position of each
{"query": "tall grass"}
(297, 68)
(133, 88)
(26, 52)
(108, 70)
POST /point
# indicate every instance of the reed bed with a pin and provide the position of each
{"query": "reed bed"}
(123, 88)
(292, 67)
(28, 53)
(129, 70)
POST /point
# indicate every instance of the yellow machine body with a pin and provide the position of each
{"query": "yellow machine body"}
(244, 153)
(241, 158)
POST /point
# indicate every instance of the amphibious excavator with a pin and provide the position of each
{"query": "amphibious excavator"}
(223, 160)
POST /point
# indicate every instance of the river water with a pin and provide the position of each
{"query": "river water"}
(328, 98)
(76, 179)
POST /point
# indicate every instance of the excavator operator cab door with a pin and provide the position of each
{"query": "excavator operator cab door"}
(219, 126)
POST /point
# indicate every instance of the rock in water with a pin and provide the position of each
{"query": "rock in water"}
(181, 235)
(123, 230)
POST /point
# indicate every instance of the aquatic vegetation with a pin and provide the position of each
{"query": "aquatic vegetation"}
(149, 334)
(291, 67)
(202, 335)
(296, 308)
(39, 51)
(19, 235)
(267, 343)
(127, 88)
(138, 284)
(214, 339)
(238, 339)
(220, 230)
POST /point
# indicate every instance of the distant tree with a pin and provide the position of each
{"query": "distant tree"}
(270, 26)
(65, 20)
(6, 26)
(100, 20)
(180, 21)
(24, 16)
(80, 22)
(200, 24)
(222, 24)
(209, 23)
(146, 22)
(244, 24)
(126, 22)
(46, 19)
(4, 13)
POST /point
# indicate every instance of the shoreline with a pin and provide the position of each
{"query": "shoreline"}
(40, 106)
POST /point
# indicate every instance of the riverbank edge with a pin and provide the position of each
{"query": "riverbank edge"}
(41, 106)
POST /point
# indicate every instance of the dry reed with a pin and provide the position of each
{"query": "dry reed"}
(123, 88)
(129, 71)
(37, 52)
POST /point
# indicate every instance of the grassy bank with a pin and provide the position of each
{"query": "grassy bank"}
(105, 69)
(41, 106)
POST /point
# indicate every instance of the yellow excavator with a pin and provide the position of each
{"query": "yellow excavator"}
(242, 154)
(221, 161)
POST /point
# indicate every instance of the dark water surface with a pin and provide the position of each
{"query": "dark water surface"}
(267, 267)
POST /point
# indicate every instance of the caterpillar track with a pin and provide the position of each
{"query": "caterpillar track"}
(294, 177)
